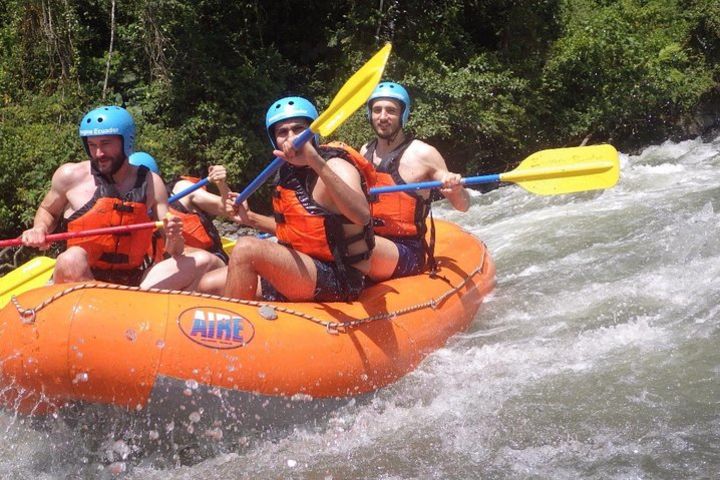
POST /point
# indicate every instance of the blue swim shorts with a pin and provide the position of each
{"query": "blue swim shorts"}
(330, 287)
(411, 260)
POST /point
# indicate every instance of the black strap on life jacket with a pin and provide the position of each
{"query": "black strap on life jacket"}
(302, 181)
(106, 188)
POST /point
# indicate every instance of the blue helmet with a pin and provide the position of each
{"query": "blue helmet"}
(394, 91)
(286, 108)
(144, 159)
(109, 120)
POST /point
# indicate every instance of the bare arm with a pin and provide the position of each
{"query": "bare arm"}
(341, 183)
(339, 187)
(244, 216)
(52, 206)
(452, 188)
(209, 202)
(218, 176)
(157, 203)
(264, 223)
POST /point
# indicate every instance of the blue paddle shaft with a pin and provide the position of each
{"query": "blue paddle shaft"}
(188, 190)
(434, 184)
(298, 142)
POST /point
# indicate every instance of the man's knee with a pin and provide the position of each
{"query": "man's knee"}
(72, 265)
(72, 255)
(247, 249)
(205, 260)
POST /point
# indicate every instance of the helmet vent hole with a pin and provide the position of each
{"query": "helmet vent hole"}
(99, 120)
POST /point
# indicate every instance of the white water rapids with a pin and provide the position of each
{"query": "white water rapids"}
(597, 356)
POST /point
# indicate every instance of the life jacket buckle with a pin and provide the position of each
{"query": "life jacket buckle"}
(121, 207)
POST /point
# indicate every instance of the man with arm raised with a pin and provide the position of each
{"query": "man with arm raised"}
(321, 219)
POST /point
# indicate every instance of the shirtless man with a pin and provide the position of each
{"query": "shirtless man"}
(107, 191)
(399, 218)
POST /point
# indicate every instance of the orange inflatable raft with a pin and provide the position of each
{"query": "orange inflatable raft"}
(205, 356)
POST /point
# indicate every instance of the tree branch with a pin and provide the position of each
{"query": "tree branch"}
(110, 50)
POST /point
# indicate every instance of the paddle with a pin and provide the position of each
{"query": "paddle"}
(56, 237)
(351, 96)
(39, 270)
(32, 274)
(547, 172)
(36, 273)
(15, 242)
(188, 190)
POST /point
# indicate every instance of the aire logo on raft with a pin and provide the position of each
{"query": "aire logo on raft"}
(215, 327)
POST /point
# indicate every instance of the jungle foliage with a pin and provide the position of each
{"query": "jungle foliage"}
(491, 80)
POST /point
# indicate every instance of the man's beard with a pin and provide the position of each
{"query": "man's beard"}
(115, 164)
(388, 137)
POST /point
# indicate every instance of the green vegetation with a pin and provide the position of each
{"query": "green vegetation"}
(492, 80)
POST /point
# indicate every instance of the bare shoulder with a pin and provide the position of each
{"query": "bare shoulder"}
(345, 171)
(181, 185)
(158, 185)
(340, 165)
(423, 150)
(69, 175)
(423, 154)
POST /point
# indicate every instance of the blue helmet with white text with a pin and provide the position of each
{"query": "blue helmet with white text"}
(394, 91)
(109, 120)
(287, 108)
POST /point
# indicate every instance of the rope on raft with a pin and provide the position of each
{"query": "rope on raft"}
(28, 315)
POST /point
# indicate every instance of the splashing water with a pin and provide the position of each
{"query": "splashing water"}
(596, 357)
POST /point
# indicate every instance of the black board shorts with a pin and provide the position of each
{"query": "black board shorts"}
(330, 287)
(411, 259)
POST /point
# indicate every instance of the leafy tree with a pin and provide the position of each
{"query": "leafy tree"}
(622, 71)
(491, 80)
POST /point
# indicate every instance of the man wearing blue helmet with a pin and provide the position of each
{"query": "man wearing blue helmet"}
(321, 220)
(400, 218)
(107, 191)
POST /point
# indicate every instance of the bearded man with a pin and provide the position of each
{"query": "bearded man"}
(107, 191)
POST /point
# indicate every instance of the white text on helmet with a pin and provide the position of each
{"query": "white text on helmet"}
(99, 131)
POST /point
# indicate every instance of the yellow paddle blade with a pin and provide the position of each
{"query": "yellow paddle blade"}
(353, 94)
(567, 170)
(32, 274)
(228, 244)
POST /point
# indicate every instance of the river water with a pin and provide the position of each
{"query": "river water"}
(597, 356)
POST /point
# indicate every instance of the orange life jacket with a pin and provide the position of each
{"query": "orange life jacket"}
(307, 227)
(110, 208)
(198, 228)
(397, 214)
